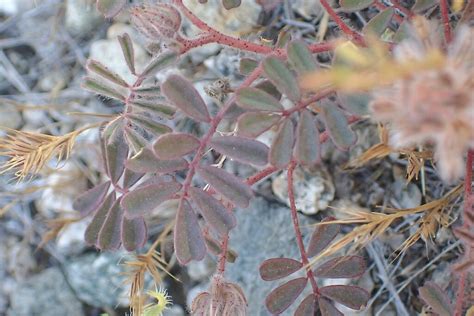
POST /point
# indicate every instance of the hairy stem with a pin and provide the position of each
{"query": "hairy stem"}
(342, 25)
(296, 226)
(445, 18)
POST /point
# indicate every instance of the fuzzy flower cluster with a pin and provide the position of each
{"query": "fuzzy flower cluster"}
(158, 22)
(433, 107)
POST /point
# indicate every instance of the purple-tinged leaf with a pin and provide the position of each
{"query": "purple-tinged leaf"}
(134, 233)
(307, 150)
(143, 200)
(337, 126)
(341, 267)
(230, 186)
(380, 22)
(150, 91)
(300, 57)
(158, 63)
(102, 88)
(127, 49)
(283, 296)
(327, 309)
(257, 100)
(130, 177)
(269, 87)
(242, 149)
(90, 200)
(91, 235)
(106, 73)
(277, 268)
(134, 139)
(189, 242)
(231, 4)
(216, 215)
(110, 8)
(149, 124)
(214, 247)
(348, 295)
(175, 145)
(282, 146)
(434, 296)
(253, 124)
(355, 103)
(322, 237)
(247, 65)
(116, 154)
(111, 232)
(281, 77)
(185, 97)
(146, 162)
(154, 106)
(354, 5)
(307, 307)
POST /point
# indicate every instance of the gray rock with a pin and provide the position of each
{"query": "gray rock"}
(98, 279)
(10, 116)
(45, 294)
(264, 231)
(81, 16)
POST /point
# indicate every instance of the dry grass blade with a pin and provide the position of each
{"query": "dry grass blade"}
(55, 227)
(373, 224)
(29, 152)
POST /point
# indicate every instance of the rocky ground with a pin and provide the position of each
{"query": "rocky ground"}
(43, 49)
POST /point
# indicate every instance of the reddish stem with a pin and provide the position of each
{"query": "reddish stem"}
(296, 226)
(445, 18)
(223, 255)
(402, 9)
(342, 25)
(261, 175)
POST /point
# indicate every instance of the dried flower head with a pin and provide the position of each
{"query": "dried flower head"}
(158, 21)
(224, 299)
(432, 106)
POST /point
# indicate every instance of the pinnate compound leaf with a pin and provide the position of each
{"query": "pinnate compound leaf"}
(300, 57)
(282, 145)
(354, 5)
(253, 124)
(355, 103)
(283, 296)
(307, 307)
(175, 145)
(154, 106)
(327, 309)
(189, 242)
(277, 268)
(348, 295)
(242, 149)
(144, 199)
(281, 77)
(158, 63)
(116, 153)
(127, 49)
(257, 100)
(341, 267)
(269, 87)
(104, 72)
(130, 177)
(216, 215)
(146, 162)
(102, 88)
(90, 200)
(322, 237)
(134, 233)
(110, 8)
(337, 126)
(111, 232)
(434, 296)
(307, 147)
(231, 4)
(380, 22)
(92, 231)
(149, 124)
(230, 186)
(185, 97)
(135, 140)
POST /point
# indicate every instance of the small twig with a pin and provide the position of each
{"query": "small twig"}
(445, 18)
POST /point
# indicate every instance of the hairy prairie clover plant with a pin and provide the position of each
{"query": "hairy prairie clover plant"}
(149, 161)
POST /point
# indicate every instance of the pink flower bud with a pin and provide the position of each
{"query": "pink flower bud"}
(156, 21)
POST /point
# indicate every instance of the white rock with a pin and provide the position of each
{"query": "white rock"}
(10, 116)
(201, 270)
(314, 190)
(71, 239)
(12, 7)
(81, 16)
